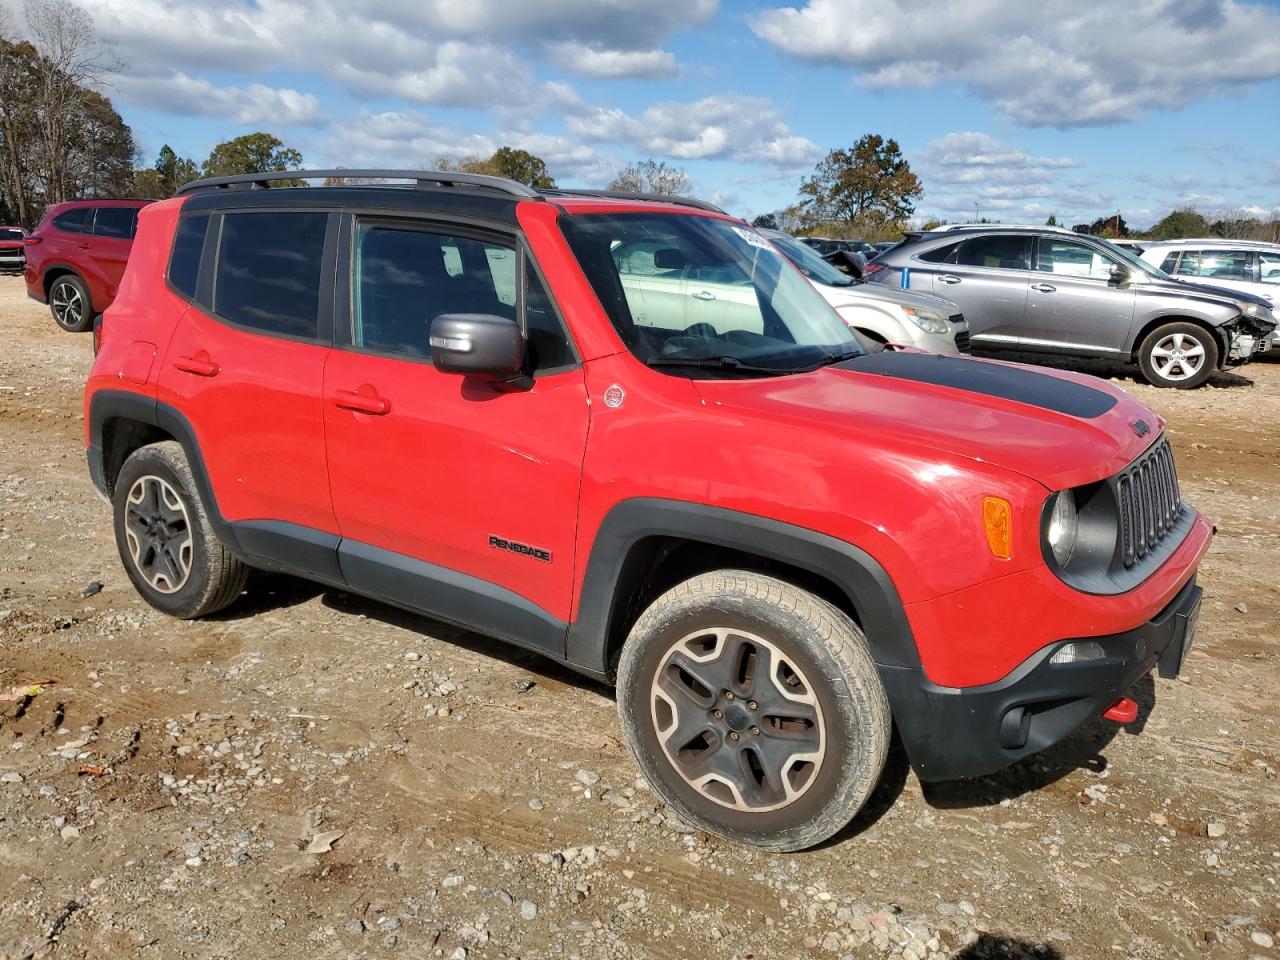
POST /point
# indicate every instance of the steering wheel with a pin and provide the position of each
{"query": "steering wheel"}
(701, 329)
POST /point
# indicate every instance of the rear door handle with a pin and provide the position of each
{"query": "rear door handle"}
(948, 278)
(703, 295)
(369, 403)
(1044, 287)
(199, 364)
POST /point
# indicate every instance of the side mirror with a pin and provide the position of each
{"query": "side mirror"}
(477, 344)
(1120, 275)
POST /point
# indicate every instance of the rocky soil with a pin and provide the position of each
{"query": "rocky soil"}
(311, 774)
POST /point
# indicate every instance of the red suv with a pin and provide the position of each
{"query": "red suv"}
(494, 406)
(12, 256)
(76, 256)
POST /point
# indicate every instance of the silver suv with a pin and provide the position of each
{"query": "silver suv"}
(1054, 291)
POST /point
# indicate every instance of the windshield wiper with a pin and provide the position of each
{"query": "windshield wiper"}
(732, 364)
(836, 358)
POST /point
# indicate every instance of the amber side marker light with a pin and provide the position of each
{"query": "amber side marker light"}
(997, 517)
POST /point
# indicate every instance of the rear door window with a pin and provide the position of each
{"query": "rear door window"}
(73, 221)
(118, 223)
(1002, 252)
(1269, 267)
(268, 272)
(1216, 264)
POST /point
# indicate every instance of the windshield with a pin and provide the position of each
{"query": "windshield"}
(700, 293)
(10, 234)
(1133, 260)
(808, 261)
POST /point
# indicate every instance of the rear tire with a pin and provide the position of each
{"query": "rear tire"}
(754, 709)
(167, 546)
(70, 304)
(1179, 355)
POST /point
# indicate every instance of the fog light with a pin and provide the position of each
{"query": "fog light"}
(1078, 652)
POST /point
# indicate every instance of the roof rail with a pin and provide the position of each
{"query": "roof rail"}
(1220, 240)
(631, 195)
(948, 227)
(423, 178)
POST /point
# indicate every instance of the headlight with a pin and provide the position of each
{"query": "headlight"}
(928, 322)
(1064, 525)
(1255, 310)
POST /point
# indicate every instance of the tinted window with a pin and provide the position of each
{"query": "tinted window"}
(940, 255)
(1216, 264)
(73, 221)
(406, 278)
(116, 222)
(1269, 267)
(268, 275)
(548, 345)
(994, 251)
(1069, 258)
(10, 234)
(1170, 262)
(188, 244)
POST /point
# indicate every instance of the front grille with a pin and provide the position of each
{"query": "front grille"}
(1149, 502)
(962, 336)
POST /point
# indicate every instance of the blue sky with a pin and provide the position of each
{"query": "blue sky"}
(1077, 111)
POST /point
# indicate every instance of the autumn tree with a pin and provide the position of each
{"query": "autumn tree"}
(252, 153)
(868, 185)
(652, 176)
(519, 165)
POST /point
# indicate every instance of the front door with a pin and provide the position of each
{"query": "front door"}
(450, 490)
(987, 276)
(1074, 299)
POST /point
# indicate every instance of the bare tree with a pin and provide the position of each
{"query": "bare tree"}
(16, 78)
(652, 176)
(71, 61)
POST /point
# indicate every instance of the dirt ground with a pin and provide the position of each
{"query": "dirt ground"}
(312, 774)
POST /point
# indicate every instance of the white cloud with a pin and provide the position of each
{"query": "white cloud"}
(597, 62)
(1085, 63)
(1006, 182)
(726, 126)
(195, 96)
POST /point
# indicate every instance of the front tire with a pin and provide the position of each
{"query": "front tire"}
(1179, 355)
(754, 709)
(166, 543)
(70, 304)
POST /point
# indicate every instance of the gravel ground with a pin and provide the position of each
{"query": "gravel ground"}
(311, 773)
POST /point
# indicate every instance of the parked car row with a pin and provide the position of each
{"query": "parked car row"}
(1046, 289)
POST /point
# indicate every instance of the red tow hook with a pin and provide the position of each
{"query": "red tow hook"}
(1123, 710)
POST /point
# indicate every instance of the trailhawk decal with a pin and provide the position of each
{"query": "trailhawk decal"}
(515, 546)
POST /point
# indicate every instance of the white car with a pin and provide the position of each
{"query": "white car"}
(882, 313)
(1251, 266)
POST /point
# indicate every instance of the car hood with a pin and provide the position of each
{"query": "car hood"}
(1060, 429)
(1173, 285)
(862, 292)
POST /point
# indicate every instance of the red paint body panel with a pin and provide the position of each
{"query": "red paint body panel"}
(454, 461)
(99, 261)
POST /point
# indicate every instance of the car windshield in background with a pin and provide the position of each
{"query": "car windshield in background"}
(808, 261)
(697, 292)
(1132, 260)
(10, 234)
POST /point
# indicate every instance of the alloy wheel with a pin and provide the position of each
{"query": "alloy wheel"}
(158, 531)
(67, 304)
(738, 719)
(1179, 356)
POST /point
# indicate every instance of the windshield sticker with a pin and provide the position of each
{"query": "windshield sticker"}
(754, 239)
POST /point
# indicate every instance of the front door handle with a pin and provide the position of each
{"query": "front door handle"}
(1044, 287)
(948, 278)
(362, 402)
(703, 295)
(198, 363)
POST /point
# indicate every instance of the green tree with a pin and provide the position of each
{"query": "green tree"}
(1181, 223)
(1052, 221)
(174, 170)
(521, 166)
(766, 221)
(251, 153)
(869, 184)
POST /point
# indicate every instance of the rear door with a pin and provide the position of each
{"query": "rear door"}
(109, 242)
(1074, 300)
(246, 366)
(988, 276)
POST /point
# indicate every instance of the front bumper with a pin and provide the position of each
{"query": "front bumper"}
(955, 732)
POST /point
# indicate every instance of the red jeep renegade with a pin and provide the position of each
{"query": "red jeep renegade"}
(626, 433)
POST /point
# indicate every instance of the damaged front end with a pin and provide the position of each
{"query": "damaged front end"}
(1251, 333)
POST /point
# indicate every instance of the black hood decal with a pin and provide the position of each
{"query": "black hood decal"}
(992, 379)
